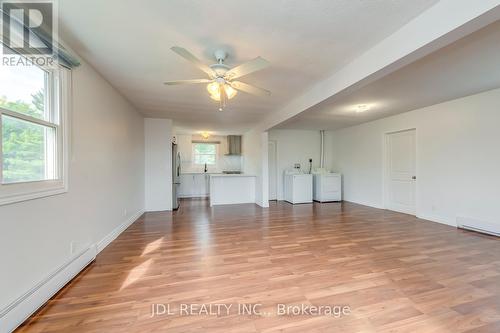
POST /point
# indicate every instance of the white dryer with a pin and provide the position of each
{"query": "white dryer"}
(298, 187)
(327, 187)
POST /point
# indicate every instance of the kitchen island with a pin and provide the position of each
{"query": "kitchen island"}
(232, 189)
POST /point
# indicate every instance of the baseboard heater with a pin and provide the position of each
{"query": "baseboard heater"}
(478, 226)
(22, 308)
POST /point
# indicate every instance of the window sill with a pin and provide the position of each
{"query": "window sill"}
(13, 193)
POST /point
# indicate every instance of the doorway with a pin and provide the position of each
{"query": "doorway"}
(273, 170)
(400, 171)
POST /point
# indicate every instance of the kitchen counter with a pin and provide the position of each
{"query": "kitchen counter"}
(231, 175)
(228, 189)
(201, 173)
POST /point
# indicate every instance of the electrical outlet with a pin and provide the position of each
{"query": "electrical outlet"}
(125, 212)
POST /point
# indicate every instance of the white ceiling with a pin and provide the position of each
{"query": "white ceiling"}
(129, 42)
(468, 66)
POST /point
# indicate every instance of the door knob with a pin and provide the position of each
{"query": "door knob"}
(414, 177)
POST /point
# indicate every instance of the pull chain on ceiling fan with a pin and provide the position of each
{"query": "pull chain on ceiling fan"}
(220, 84)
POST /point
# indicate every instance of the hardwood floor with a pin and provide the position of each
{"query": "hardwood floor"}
(395, 273)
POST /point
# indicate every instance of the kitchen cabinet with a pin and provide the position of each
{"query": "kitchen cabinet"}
(194, 185)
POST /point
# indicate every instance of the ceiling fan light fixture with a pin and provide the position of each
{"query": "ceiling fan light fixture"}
(214, 91)
(213, 88)
(215, 97)
(220, 84)
(230, 91)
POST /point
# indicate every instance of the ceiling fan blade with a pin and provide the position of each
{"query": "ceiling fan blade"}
(195, 61)
(249, 88)
(171, 83)
(248, 67)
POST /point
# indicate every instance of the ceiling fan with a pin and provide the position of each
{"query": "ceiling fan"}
(220, 84)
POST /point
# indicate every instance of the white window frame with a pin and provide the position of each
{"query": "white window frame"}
(206, 143)
(58, 99)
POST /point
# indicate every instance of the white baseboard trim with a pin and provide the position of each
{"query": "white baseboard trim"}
(193, 196)
(117, 231)
(481, 226)
(431, 218)
(20, 309)
(437, 219)
(369, 204)
(263, 204)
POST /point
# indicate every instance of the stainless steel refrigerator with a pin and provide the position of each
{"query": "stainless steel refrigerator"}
(176, 173)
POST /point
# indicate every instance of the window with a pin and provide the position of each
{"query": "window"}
(32, 137)
(205, 153)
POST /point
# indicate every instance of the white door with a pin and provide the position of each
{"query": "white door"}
(273, 171)
(400, 171)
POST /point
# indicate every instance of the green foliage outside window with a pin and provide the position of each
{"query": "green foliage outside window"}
(23, 143)
(205, 153)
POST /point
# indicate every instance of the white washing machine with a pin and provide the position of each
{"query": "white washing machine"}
(327, 187)
(298, 187)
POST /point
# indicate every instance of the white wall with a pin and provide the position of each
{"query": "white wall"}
(158, 164)
(329, 151)
(295, 146)
(106, 189)
(255, 158)
(458, 158)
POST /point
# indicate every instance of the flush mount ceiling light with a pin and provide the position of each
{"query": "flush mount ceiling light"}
(205, 135)
(362, 108)
(221, 86)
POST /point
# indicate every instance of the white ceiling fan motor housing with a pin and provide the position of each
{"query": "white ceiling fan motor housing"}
(220, 55)
(219, 67)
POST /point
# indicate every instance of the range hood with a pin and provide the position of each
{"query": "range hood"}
(234, 145)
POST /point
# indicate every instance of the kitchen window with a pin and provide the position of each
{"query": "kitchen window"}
(33, 133)
(205, 153)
